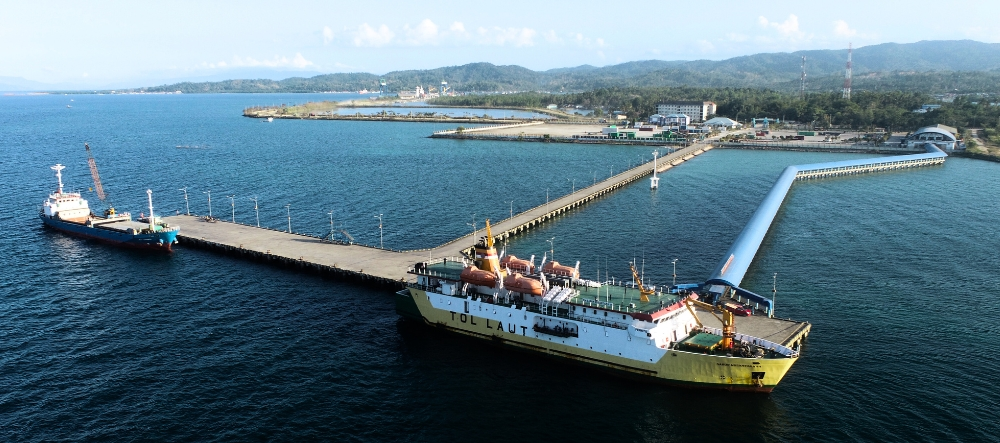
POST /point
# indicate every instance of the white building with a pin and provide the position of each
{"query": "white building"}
(697, 111)
(677, 119)
(940, 136)
(722, 123)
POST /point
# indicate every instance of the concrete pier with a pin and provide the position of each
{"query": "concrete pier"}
(383, 266)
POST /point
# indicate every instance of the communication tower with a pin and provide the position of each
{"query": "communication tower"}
(802, 79)
(847, 75)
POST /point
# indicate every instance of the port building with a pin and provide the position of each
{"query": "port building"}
(941, 136)
(697, 111)
(722, 123)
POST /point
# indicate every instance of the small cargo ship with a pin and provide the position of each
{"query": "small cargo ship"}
(628, 328)
(69, 212)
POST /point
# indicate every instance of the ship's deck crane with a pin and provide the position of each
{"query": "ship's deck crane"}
(727, 320)
(97, 181)
(644, 292)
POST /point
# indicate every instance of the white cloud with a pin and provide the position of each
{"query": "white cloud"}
(457, 27)
(551, 37)
(425, 32)
(705, 45)
(841, 29)
(502, 36)
(368, 36)
(327, 35)
(298, 61)
(788, 29)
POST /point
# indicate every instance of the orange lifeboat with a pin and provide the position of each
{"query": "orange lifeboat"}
(475, 276)
(553, 267)
(518, 283)
(516, 264)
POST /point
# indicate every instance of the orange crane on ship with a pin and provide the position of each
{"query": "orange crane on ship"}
(644, 292)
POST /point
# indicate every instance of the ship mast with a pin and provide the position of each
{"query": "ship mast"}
(149, 195)
(58, 168)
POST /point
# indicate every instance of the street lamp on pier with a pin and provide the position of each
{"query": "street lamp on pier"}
(255, 210)
(288, 208)
(232, 202)
(209, 192)
(379, 217)
(187, 207)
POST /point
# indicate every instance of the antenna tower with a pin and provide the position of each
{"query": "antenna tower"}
(847, 75)
(802, 79)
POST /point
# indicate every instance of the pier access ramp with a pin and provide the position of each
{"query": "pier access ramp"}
(733, 266)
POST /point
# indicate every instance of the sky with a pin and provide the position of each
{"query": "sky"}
(143, 43)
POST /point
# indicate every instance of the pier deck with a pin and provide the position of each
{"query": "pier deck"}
(370, 263)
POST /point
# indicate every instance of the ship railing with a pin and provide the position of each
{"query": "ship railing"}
(766, 344)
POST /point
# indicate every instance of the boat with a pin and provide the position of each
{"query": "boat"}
(70, 212)
(626, 328)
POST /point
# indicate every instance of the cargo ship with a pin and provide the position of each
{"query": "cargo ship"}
(69, 212)
(625, 327)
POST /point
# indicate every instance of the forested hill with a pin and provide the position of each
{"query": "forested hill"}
(927, 66)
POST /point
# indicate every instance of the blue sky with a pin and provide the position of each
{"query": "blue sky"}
(118, 44)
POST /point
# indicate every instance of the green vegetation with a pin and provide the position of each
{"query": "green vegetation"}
(891, 110)
(931, 67)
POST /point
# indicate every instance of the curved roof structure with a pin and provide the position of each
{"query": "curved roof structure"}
(721, 121)
(733, 266)
(932, 129)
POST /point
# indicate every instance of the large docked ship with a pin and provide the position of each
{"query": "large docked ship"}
(626, 327)
(70, 212)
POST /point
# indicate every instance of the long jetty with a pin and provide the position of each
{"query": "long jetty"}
(384, 266)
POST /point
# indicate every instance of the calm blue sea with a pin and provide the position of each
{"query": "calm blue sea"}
(896, 271)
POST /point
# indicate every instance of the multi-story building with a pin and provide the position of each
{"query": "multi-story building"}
(698, 111)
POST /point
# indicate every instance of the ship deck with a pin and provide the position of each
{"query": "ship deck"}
(785, 332)
(123, 225)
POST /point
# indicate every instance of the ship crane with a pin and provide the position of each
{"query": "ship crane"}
(644, 292)
(727, 320)
(97, 181)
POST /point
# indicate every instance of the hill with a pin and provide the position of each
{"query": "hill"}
(927, 66)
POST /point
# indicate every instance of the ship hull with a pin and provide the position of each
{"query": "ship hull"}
(611, 349)
(160, 241)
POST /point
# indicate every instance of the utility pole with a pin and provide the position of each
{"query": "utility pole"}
(847, 74)
(802, 80)
(187, 207)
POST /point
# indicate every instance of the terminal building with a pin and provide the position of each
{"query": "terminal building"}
(940, 136)
(697, 111)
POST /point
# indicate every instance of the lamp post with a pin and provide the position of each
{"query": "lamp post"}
(379, 217)
(774, 293)
(331, 224)
(187, 207)
(595, 177)
(473, 225)
(232, 202)
(209, 192)
(511, 208)
(552, 248)
(255, 210)
(574, 183)
(675, 272)
(288, 208)
(546, 200)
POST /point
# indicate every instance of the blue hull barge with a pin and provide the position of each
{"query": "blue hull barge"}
(70, 213)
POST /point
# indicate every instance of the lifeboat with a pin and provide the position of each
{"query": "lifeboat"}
(553, 267)
(475, 276)
(519, 283)
(517, 264)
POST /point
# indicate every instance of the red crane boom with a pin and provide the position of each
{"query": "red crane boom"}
(95, 174)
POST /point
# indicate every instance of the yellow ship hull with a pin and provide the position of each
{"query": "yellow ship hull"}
(672, 366)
